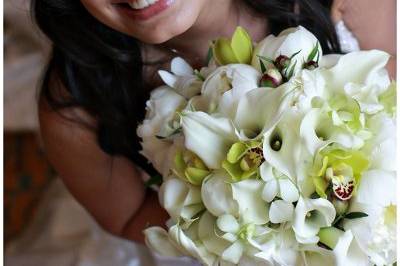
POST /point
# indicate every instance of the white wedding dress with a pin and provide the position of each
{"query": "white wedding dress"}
(63, 233)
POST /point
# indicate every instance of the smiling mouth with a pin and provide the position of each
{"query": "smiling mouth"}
(142, 9)
(138, 4)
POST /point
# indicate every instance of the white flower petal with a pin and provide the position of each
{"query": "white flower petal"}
(270, 190)
(157, 239)
(286, 159)
(233, 253)
(211, 241)
(261, 108)
(281, 211)
(288, 42)
(362, 67)
(180, 67)
(377, 187)
(322, 213)
(217, 194)
(186, 245)
(288, 190)
(252, 207)
(207, 136)
(348, 252)
(228, 223)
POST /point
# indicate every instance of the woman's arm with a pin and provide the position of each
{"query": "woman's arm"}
(109, 187)
(372, 22)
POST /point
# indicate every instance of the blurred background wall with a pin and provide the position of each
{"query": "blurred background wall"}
(26, 171)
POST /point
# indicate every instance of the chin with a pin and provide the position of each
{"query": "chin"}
(162, 27)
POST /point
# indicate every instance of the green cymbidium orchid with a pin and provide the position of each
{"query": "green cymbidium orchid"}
(237, 50)
(188, 166)
(340, 168)
(243, 160)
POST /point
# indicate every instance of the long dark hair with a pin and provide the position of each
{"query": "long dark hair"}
(102, 68)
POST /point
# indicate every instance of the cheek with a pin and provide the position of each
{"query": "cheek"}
(102, 10)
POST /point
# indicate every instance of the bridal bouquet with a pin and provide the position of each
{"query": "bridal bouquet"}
(275, 154)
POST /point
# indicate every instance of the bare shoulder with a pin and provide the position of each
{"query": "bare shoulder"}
(109, 187)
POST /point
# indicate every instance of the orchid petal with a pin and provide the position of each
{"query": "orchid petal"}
(281, 211)
(247, 194)
(217, 195)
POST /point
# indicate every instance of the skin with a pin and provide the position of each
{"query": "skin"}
(111, 187)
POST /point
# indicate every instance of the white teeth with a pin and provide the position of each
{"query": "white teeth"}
(140, 4)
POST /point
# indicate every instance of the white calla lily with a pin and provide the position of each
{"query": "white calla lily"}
(260, 109)
(282, 145)
(287, 43)
(217, 194)
(218, 131)
(310, 216)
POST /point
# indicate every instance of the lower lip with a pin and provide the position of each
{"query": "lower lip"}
(147, 12)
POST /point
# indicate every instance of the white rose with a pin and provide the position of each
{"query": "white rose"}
(161, 119)
(227, 84)
(288, 43)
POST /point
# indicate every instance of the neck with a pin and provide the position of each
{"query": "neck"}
(218, 20)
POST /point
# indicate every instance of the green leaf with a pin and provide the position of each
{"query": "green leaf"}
(313, 53)
(242, 46)
(269, 60)
(293, 55)
(210, 54)
(263, 68)
(355, 215)
(154, 180)
(198, 75)
(291, 72)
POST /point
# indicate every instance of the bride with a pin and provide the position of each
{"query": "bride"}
(104, 63)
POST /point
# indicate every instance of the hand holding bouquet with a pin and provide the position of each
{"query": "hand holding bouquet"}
(275, 155)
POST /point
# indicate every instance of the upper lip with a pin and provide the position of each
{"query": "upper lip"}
(123, 1)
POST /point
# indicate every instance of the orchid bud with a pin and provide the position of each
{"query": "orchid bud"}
(311, 65)
(282, 62)
(271, 78)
